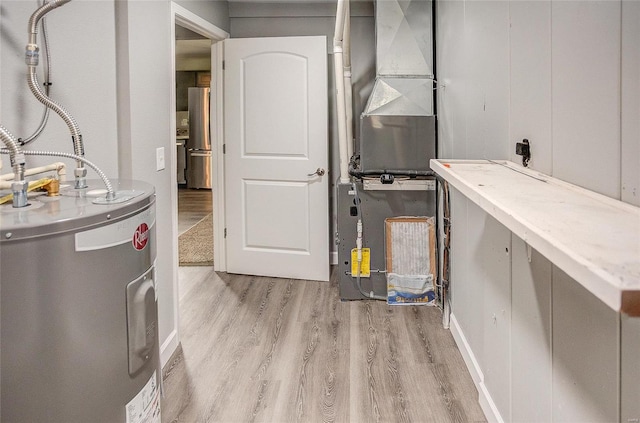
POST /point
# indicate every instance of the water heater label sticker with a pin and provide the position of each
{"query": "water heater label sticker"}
(145, 407)
(131, 230)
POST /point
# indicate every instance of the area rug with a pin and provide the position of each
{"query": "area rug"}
(195, 246)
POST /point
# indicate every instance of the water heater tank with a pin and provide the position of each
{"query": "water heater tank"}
(78, 311)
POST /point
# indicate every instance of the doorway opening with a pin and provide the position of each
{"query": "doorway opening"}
(193, 147)
(197, 158)
(197, 203)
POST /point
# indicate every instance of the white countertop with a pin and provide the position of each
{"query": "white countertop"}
(591, 237)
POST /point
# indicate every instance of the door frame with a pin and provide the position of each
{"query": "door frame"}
(183, 17)
(193, 22)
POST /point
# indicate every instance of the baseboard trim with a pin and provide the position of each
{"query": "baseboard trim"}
(489, 408)
(487, 404)
(168, 347)
(468, 355)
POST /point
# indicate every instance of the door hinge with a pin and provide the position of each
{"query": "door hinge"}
(224, 148)
(223, 65)
(225, 232)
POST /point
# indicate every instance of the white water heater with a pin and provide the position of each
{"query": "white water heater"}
(79, 322)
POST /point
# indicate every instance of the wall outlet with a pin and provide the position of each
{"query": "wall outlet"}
(160, 159)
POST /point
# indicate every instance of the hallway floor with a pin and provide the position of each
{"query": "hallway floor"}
(193, 205)
(276, 350)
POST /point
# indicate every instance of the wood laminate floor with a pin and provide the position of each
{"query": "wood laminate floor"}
(258, 349)
(193, 205)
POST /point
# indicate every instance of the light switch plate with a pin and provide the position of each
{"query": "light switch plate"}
(160, 158)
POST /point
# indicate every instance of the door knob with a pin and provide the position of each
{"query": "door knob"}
(319, 171)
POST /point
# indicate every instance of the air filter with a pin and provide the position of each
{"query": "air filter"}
(411, 260)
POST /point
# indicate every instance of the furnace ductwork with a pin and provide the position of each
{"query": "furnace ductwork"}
(404, 59)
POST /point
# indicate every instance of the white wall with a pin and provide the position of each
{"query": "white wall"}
(112, 71)
(144, 102)
(296, 19)
(145, 79)
(585, 88)
(564, 75)
(630, 113)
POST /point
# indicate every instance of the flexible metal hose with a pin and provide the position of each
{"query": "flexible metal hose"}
(10, 141)
(17, 160)
(32, 77)
(39, 14)
(78, 148)
(107, 182)
(47, 84)
(19, 186)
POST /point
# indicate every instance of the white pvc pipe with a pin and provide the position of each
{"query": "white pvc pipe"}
(341, 115)
(338, 67)
(346, 44)
(338, 32)
(346, 34)
(7, 179)
(349, 112)
(59, 167)
(5, 185)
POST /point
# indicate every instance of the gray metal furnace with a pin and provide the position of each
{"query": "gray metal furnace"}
(395, 145)
(79, 323)
(376, 204)
(397, 140)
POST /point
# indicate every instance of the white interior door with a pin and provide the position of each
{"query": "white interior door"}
(277, 206)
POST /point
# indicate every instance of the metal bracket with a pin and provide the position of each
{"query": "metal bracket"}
(523, 149)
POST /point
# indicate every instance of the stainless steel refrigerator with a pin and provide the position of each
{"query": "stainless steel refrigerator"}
(199, 143)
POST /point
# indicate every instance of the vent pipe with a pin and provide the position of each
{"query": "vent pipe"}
(342, 78)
